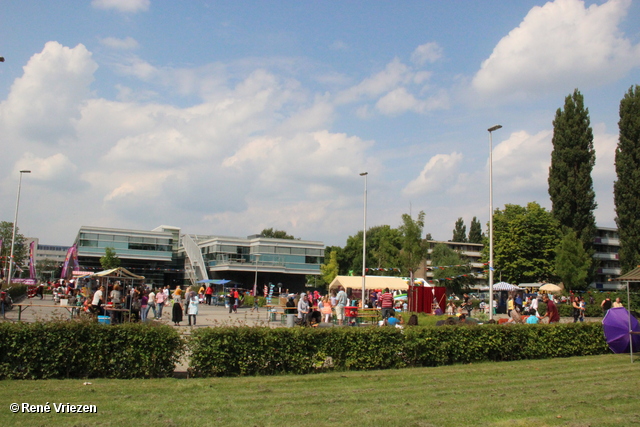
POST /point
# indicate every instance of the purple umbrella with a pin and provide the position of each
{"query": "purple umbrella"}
(616, 330)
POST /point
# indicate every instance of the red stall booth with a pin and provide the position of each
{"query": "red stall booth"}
(425, 299)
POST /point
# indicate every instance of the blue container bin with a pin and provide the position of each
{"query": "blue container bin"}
(104, 319)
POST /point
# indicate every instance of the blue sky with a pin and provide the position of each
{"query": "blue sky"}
(226, 117)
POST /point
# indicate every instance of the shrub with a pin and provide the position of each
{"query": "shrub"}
(258, 350)
(16, 291)
(87, 350)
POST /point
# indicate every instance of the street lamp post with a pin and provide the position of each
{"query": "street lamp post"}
(491, 129)
(364, 239)
(15, 226)
(255, 282)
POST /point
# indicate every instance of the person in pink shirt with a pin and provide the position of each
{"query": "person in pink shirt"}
(161, 298)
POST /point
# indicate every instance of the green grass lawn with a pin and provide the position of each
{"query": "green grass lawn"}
(580, 391)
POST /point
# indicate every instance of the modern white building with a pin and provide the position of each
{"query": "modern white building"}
(152, 254)
(285, 261)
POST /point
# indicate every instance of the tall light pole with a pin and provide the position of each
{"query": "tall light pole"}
(491, 129)
(15, 225)
(255, 282)
(364, 239)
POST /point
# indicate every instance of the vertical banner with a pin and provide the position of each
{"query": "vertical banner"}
(32, 262)
(65, 273)
(76, 264)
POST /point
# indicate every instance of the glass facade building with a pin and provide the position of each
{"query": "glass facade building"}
(285, 261)
(151, 254)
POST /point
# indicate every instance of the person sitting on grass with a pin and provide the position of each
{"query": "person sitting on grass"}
(392, 321)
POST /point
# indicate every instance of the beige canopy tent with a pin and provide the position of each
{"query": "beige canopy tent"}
(371, 282)
(120, 272)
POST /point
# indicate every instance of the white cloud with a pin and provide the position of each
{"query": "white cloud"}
(394, 74)
(604, 174)
(521, 162)
(439, 171)
(127, 6)
(45, 103)
(128, 43)
(134, 66)
(397, 101)
(561, 45)
(428, 52)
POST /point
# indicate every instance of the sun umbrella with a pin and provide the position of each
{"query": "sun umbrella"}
(550, 287)
(504, 286)
(616, 330)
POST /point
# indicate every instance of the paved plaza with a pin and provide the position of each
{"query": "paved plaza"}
(208, 315)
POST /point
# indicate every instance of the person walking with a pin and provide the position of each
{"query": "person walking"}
(192, 308)
(230, 300)
(176, 317)
(341, 303)
(552, 311)
(161, 300)
(144, 306)
(576, 309)
(208, 293)
(151, 301)
(304, 309)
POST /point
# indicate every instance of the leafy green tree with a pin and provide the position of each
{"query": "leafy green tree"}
(524, 243)
(460, 231)
(455, 276)
(20, 250)
(383, 242)
(414, 247)
(110, 259)
(572, 160)
(475, 231)
(330, 270)
(626, 190)
(276, 234)
(573, 263)
(351, 262)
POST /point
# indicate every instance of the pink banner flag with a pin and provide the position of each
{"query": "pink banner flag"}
(66, 271)
(32, 262)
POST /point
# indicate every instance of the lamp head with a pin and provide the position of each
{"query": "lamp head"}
(364, 173)
(496, 127)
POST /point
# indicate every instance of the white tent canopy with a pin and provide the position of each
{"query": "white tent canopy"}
(371, 282)
(119, 272)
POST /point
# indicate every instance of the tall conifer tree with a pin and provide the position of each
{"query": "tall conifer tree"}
(626, 190)
(475, 231)
(572, 160)
(460, 232)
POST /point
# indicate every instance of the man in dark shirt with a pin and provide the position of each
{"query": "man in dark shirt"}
(552, 310)
(606, 304)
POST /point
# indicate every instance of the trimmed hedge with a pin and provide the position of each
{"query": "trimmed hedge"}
(87, 350)
(234, 351)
